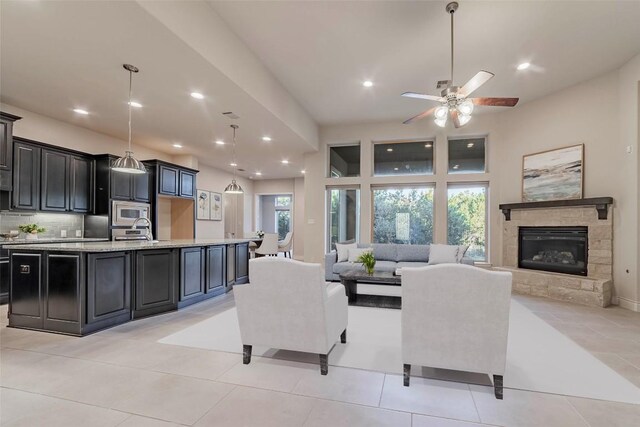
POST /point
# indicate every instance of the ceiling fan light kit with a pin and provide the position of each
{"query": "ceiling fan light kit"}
(454, 100)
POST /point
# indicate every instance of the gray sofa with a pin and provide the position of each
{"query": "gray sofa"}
(388, 256)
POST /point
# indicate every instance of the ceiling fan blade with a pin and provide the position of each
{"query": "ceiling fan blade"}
(476, 81)
(422, 96)
(419, 116)
(456, 119)
(496, 102)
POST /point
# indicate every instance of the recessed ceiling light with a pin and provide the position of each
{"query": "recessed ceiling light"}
(523, 66)
(266, 138)
(367, 83)
(197, 95)
(259, 173)
(470, 145)
(428, 145)
(456, 166)
(220, 142)
(285, 162)
(177, 145)
(389, 149)
(80, 111)
(303, 171)
(233, 164)
(135, 104)
(395, 169)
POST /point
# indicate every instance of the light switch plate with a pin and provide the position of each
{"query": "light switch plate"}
(78, 233)
(63, 233)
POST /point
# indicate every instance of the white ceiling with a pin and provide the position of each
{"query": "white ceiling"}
(59, 55)
(322, 51)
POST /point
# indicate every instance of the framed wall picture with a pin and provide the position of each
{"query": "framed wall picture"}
(553, 174)
(203, 204)
(216, 207)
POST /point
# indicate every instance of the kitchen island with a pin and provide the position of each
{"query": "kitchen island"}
(80, 288)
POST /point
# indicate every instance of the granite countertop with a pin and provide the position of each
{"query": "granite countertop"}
(109, 246)
(47, 240)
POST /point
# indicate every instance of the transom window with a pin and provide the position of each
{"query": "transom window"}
(403, 158)
(344, 161)
(467, 155)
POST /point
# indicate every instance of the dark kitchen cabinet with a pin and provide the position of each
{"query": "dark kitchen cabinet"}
(6, 150)
(26, 290)
(156, 285)
(81, 184)
(192, 274)
(126, 186)
(26, 176)
(108, 288)
(54, 186)
(112, 185)
(4, 277)
(63, 293)
(187, 184)
(230, 267)
(242, 263)
(215, 279)
(140, 187)
(168, 180)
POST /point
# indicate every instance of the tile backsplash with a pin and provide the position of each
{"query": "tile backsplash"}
(54, 223)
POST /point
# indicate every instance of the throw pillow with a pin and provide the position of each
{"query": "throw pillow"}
(354, 253)
(443, 254)
(462, 249)
(343, 250)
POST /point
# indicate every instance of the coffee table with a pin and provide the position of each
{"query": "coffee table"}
(351, 278)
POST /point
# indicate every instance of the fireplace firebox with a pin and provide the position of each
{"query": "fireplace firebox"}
(556, 249)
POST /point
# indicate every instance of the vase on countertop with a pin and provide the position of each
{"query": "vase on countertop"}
(32, 236)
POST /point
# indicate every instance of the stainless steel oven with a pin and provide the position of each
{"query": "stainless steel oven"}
(124, 214)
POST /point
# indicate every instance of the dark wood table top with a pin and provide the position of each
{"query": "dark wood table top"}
(382, 277)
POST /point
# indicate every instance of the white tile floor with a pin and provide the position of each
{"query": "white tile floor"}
(123, 377)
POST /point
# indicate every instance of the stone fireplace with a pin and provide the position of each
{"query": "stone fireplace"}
(560, 250)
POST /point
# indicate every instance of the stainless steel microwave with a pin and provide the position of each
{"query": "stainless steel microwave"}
(124, 214)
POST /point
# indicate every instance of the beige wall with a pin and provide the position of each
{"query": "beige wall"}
(41, 128)
(601, 113)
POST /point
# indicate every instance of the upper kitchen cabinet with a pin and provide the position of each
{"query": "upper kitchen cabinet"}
(172, 180)
(112, 185)
(49, 179)
(6, 150)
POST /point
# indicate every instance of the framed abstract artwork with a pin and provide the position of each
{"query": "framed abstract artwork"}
(215, 207)
(553, 175)
(203, 203)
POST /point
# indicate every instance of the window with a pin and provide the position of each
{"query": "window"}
(344, 161)
(467, 155)
(403, 215)
(283, 223)
(283, 201)
(467, 218)
(406, 158)
(343, 215)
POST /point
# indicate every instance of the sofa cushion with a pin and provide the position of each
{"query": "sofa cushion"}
(443, 254)
(354, 253)
(462, 249)
(419, 253)
(385, 251)
(412, 264)
(386, 266)
(343, 250)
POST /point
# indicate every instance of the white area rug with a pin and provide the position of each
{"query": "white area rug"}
(539, 358)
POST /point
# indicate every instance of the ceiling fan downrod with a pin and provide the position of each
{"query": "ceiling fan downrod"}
(451, 9)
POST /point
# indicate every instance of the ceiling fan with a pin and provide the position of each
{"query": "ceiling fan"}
(454, 100)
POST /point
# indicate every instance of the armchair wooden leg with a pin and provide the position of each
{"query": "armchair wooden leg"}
(497, 386)
(324, 364)
(407, 374)
(343, 336)
(246, 354)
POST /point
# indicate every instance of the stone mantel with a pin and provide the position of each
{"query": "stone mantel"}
(596, 288)
(600, 203)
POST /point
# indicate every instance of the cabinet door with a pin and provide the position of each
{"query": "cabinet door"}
(55, 181)
(26, 292)
(4, 280)
(215, 279)
(121, 185)
(192, 265)
(81, 177)
(231, 266)
(141, 187)
(63, 296)
(156, 282)
(242, 263)
(187, 184)
(6, 154)
(108, 286)
(168, 181)
(26, 176)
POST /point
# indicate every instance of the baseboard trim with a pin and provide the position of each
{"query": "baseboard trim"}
(629, 304)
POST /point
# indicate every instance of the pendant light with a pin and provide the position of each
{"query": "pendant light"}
(128, 163)
(234, 187)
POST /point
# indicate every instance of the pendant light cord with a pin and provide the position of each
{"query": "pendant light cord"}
(130, 92)
(235, 167)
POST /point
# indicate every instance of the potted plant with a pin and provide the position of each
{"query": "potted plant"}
(368, 261)
(260, 233)
(31, 230)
